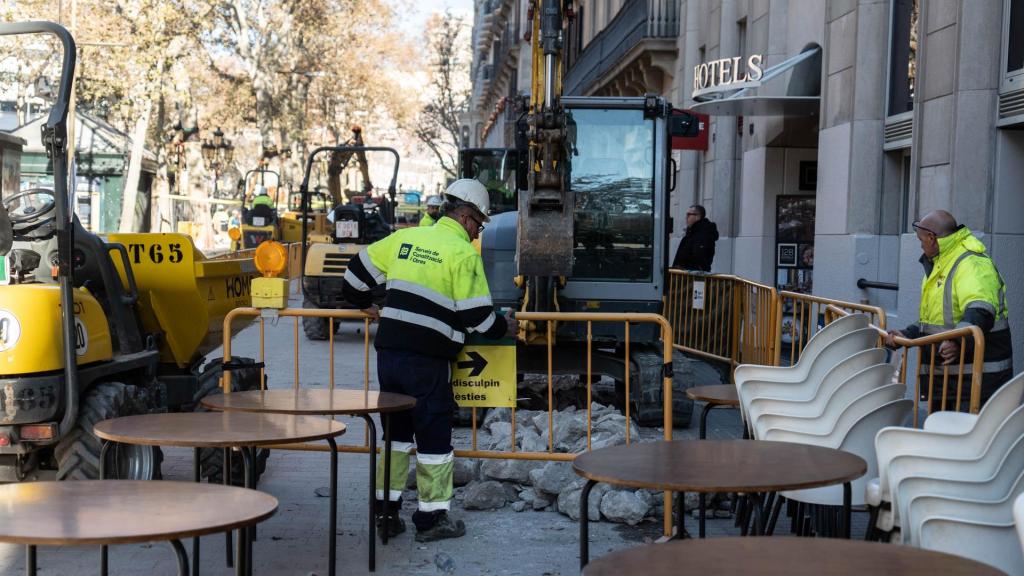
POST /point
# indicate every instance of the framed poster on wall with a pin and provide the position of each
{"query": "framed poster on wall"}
(794, 241)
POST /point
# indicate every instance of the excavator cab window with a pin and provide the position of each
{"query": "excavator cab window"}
(612, 179)
(495, 168)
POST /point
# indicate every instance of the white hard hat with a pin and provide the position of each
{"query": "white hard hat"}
(434, 201)
(473, 192)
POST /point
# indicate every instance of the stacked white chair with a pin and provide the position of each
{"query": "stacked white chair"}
(981, 530)
(967, 480)
(798, 372)
(828, 348)
(988, 475)
(838, 395)
(811, 403)
(944, 437)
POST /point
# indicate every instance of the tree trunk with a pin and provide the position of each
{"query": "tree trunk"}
(131, 182)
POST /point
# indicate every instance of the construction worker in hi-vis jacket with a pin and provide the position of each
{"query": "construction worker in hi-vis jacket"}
(436, 293)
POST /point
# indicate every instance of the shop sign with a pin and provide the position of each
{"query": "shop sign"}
(727, 74)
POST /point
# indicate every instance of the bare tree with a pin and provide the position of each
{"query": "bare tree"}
(438, 126)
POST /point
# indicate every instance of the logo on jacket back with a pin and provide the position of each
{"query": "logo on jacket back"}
(404, 251)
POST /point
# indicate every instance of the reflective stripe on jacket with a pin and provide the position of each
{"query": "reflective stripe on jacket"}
(436, 289)
(963, 277)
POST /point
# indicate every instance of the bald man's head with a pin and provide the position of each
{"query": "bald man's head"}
(939, 222)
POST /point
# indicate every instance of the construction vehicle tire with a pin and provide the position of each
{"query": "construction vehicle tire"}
(212, 459)
(317, 328)
(78, 453)
(647, 391)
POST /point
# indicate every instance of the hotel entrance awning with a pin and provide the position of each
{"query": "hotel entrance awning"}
(790, 88)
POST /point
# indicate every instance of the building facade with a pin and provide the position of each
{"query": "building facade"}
(832, 126)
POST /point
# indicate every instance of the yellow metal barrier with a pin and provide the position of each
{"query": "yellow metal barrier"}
(473, 451)
(797, 316)
(927, 364)
(722, 317)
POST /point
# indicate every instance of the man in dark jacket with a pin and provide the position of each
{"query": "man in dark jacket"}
(697, 249)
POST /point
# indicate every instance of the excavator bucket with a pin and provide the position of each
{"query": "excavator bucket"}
(545, 239)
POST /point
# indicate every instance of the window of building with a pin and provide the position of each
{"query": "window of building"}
(905, 215)
(903, 55)
(1014, 38)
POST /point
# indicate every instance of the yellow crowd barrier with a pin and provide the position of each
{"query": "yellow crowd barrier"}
(473, 451)
(800, 316)
(736, 321)
(722, 317)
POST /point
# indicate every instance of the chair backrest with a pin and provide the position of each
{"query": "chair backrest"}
(831, 355)
(860, 439)
(829, 333)
(1004, 401)
(863, 405)
(826, 405)
(829, 432)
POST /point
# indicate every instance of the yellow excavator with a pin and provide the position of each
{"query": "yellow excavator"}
(93, 328)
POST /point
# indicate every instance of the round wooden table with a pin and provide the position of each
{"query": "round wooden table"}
(199, 430)
(91, 512)
(748, 466)
(329, 402)
(784, 557)
(713, 397)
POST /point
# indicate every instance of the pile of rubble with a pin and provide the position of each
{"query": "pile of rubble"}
(542, 485)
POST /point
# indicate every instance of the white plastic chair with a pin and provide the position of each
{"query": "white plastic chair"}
(977, 502)
(965, 482)
(829, 432)
(980, 531)
(895, 441)
(833, 396)
(803, 387)
(860, 440)
(977, 467)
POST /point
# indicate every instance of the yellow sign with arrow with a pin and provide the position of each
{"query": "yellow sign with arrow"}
(484, 374)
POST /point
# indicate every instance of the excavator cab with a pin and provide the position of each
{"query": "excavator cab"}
(498, 169)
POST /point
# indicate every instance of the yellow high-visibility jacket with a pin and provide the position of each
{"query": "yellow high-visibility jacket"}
(963, 287)
(436, 289)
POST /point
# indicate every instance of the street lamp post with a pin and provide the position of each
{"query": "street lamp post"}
(177, 157)
(217, 156)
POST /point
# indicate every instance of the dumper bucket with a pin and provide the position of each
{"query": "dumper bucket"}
(184, 295)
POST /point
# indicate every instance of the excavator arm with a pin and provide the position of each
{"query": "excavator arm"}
(545, 234)
(338, 162)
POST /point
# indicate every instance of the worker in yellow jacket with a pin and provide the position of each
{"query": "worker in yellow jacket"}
(961, 287)
(436, 293)
(433, 211)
